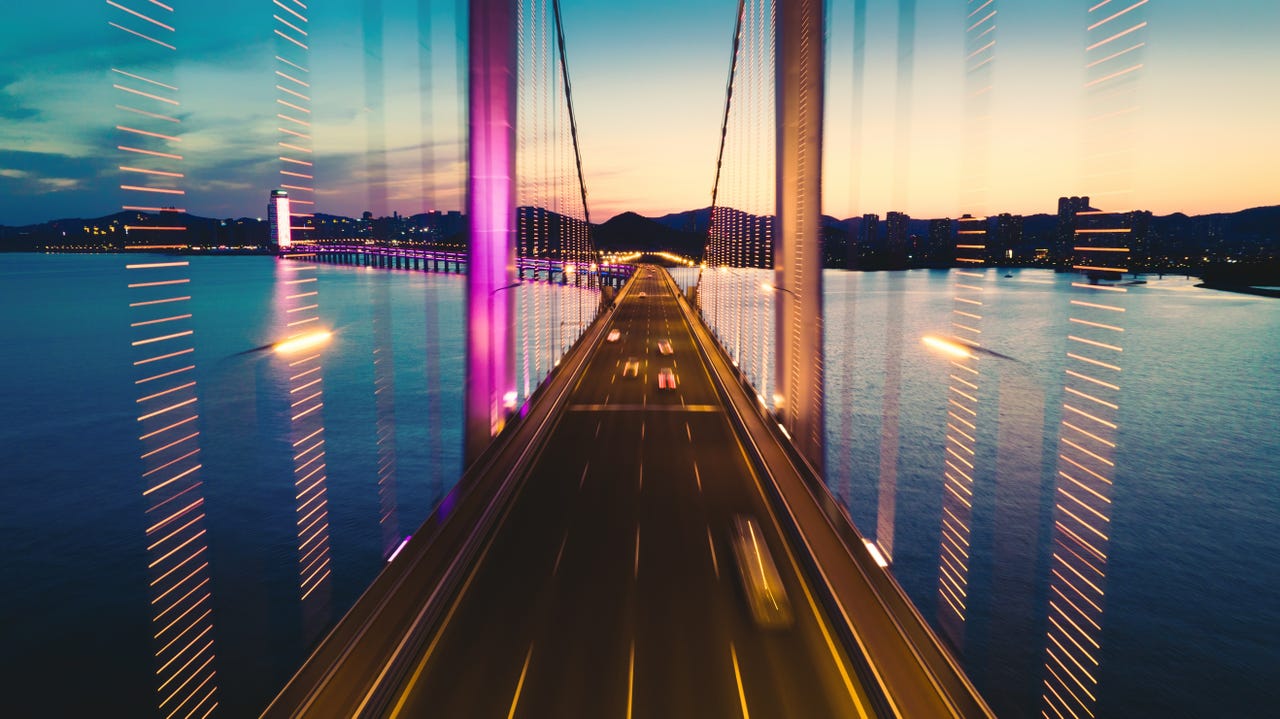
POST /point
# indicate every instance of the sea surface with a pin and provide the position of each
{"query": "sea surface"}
(1193, 578)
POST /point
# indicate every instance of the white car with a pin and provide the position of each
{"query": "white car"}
(614, 335)
(664, 347)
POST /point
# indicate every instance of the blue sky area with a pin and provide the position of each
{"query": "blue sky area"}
(648, 82)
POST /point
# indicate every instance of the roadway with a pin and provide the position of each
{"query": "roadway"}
(609, 587)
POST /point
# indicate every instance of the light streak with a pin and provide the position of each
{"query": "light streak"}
(148, 95)
(162, 393)
(303, 342)
(398, 549)
(1117, 36)
(947, 347)
(144, 113)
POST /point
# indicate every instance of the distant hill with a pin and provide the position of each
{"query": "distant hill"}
(630, 231)
(1251, 236)
(108, 232)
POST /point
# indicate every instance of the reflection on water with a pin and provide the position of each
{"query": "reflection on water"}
(176, 533)
(1192, 520)
(1170, 467)
(298, 351)
(1187, 576)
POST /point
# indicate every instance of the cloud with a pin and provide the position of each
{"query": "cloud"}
(38, 186)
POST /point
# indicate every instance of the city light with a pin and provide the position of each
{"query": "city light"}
(874, 551)
(302, 342)
(948, 347)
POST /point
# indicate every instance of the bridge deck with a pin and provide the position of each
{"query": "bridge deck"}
(600, 581)
(610, 589)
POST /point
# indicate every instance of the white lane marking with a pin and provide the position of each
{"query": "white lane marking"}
(715, 564)
(631, 677)
(598, 427)
(635, 570)
(697, 476)
(560, 554)
(737, 676)
(641, 476)
(585, 467)
(520, 685)
(614, 378)
(688, 432)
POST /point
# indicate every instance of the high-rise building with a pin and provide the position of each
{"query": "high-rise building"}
(939, 253)
(869, 231)
(1068, 208)
(278, 219)
(1008, 238)
(897, 240)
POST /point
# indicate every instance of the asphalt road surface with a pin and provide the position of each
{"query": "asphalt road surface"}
(610, 588)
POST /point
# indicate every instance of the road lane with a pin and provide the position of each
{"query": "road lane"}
(614, 578)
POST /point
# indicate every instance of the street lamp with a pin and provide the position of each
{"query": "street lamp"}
(769, 287)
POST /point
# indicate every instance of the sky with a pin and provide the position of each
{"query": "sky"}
(648, 87)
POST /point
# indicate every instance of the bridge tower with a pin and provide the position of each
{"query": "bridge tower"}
(491, 206)
(797, 255)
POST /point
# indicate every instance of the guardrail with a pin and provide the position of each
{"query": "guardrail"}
(335, 680)
(808, 495)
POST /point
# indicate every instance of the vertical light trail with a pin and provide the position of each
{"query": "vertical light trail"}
(886, 503)
(162, 337)
(960, 449)
(294, 144)
(737, 308)
(969, 306)
(1089, 429)
(554, 230)
(297, 305)
(297, 302)
(385, 415)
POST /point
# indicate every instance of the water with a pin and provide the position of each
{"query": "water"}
(1193, 578)
(1192, 587)
(76, 602)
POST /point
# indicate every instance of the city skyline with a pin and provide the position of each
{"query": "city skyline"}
(648, 88)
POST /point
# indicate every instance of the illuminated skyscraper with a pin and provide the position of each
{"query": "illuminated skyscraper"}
(278, 208)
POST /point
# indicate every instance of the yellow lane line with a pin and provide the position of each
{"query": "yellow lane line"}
(520, 685)
(737, 677)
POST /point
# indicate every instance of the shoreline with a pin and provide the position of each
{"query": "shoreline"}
(1241, 289)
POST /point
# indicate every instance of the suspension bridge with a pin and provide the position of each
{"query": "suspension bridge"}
(619, 432)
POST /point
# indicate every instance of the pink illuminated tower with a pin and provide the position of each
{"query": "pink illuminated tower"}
(491, 249)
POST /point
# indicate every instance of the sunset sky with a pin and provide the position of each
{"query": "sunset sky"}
(648, 81)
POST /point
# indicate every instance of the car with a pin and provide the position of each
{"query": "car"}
(614, 335)
(666, 378)
(664, 347)
(631, 368)
(642, 293)
(765, 593)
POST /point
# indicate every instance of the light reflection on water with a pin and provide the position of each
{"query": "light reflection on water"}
(1192, 583)
(1191, 589)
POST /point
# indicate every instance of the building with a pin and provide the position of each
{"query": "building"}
(897, 239)
(278, 219)
(938, 252)
(1006, 245)
(1064, 239)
